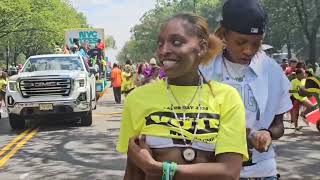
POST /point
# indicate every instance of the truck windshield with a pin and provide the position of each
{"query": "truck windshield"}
(53, 63)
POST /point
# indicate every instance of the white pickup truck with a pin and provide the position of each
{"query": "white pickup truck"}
(51, 86)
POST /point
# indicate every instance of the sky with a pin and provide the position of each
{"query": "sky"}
(117, 17)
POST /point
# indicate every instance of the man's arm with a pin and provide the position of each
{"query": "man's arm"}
(277, 128)
(261, 140)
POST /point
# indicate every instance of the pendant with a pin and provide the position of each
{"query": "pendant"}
(189, 154)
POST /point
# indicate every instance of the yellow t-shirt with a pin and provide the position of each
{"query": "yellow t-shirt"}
(148, 111)
(126, 81)
(295, 85)
(3, 84)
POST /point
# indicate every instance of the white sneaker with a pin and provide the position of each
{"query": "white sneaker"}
(297, 131)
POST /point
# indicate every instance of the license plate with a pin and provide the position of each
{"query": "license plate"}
(46, 107)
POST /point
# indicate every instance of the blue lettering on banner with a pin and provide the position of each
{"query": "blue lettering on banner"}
(90, 37)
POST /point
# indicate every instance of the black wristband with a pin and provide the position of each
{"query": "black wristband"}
(268, 131)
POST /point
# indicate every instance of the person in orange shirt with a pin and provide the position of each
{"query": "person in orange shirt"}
(116, 83)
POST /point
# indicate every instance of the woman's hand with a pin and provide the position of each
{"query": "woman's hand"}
(141, 156)
(261, 140)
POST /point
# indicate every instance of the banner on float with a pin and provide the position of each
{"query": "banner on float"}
(84, 36)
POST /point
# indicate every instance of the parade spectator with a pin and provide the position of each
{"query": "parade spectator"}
(310, 68)
(153, 72)
(301, 65)
(140, 78)
(284, 65)
(154, 75)
(75, 49)
(153, 62)
(76, 42)
(66, 49)
(127, 80)
(298, 100)
(116, 83)
(162, 74)
(103, 68)
(195, 129)
(259, 80)
(83, 50)
(292, 67)
(101, 46)
(3, 85)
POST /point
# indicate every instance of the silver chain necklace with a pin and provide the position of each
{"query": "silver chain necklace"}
(188, 154)
(239, 79)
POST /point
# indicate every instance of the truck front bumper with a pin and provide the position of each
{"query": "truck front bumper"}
(63, 107)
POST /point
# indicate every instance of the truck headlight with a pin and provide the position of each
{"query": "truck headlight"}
(12, 86)
(81, 82)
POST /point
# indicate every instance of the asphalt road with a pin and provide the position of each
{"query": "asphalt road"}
(64, 150)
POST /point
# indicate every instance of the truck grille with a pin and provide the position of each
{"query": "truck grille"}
(44, 87)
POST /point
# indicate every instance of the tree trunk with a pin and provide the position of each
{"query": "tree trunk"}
(289, 50)
(312, 50)
(15, 57)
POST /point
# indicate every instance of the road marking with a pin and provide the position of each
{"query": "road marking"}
(105, 114)
(4, 160)
(14, 141)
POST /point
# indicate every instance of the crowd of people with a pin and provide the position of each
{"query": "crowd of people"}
(93, 55)
(125, 78)
(220, 106)
(297, 72)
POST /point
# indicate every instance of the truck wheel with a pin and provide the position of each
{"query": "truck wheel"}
(16, 122)
(86, 119)
(318, 125)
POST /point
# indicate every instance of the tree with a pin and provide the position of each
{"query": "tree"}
(294, 24)
(110, 42)
(308, 12)
(282, 28)
(37, 26)
(143, 42)
(13, 14)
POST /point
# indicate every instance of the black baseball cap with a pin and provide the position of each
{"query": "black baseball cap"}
(244, 17)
